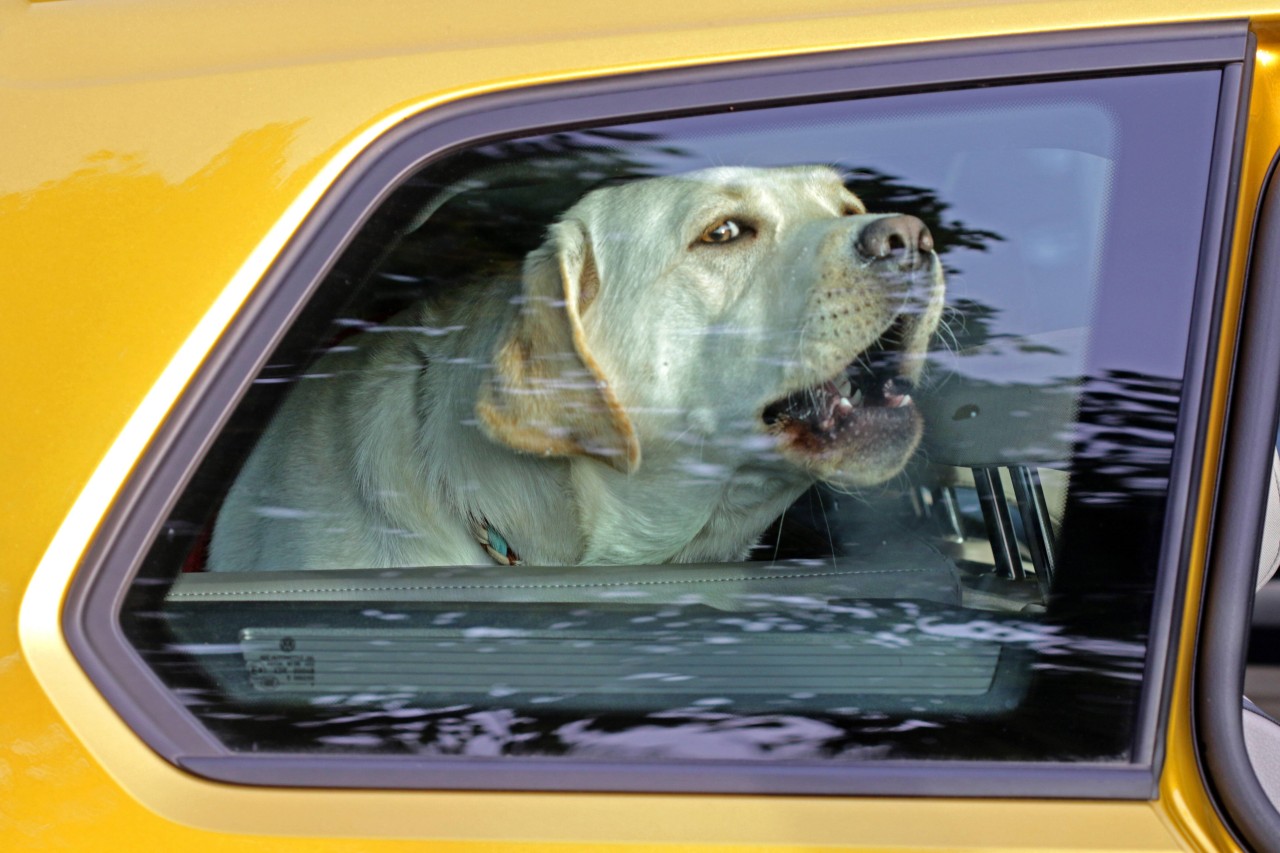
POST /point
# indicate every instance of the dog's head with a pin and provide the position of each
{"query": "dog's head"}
(758, 313)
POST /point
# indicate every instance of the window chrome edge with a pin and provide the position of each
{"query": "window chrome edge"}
(1188, 457)
(899, 778)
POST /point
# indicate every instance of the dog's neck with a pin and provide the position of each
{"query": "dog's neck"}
(637, 519)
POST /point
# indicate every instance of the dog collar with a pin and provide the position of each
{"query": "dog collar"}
(493, 542)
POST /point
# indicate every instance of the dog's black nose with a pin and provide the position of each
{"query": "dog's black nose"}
(902, 240)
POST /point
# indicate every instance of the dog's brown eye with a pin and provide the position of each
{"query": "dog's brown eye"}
(725, 232)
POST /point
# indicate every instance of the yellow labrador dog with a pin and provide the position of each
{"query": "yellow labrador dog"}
(675, 365)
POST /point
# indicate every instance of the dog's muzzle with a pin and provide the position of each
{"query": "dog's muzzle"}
(860, 425)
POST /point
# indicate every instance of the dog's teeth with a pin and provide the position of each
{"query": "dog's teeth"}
(857, 398)
(901, 401)
(845, 405)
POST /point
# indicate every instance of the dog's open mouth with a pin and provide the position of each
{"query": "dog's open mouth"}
(868, 403)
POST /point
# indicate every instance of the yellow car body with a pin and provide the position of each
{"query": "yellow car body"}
(159, 156)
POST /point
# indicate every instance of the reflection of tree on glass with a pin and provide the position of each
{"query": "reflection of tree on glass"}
(503, 196)
(680, 359)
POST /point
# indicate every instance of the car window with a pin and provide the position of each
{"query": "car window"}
(826, 432)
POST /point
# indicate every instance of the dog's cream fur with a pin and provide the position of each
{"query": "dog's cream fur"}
(603, 408)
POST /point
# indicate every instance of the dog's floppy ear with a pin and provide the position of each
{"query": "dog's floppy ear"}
(546, 394)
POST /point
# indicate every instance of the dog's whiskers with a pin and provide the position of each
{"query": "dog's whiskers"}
(777, 538)
(947, 336)
(822, 505)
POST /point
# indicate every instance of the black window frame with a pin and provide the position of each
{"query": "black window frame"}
(1248, 444)
(91, 611)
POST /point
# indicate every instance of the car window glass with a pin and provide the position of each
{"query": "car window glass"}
(828, 432)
